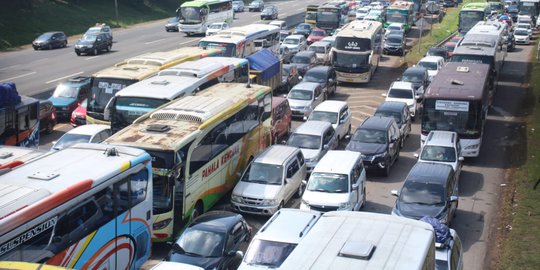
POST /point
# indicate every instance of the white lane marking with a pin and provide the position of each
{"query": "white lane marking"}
(189, 41)
(90, 58)
(20, 76)
(9, 67)
(256, 15)
(294, 5)
(283, 14)
(67, 76)
(155, 41)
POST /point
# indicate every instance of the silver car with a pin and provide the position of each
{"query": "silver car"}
(303, 97)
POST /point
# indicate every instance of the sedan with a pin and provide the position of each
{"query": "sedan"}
(83, 134)
(316, 35)
(172, 25)
(212, 241)
(269, 13)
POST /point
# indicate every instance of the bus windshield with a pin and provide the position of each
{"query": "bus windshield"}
(228, 49)
(351, 63)
(471, 58)
(310, 15)
(396, 16)
(467, 19)
(466, 119)
(192, 15)
(103, 89)
(127, 109)
(328, 16)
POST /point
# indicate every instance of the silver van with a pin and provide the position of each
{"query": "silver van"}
(322, 51)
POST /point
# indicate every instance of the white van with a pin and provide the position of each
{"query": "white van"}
(322, 51)
(338, 182)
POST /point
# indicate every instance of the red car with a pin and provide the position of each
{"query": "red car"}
(281, 119)
(450, 46)
(78, 117)
(47, 116)
(316, 35)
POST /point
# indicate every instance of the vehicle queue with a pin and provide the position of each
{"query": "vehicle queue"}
(227, 136)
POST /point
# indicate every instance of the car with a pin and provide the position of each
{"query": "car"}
(513, 12)
(430, 189)
(521, 36)
(525, 19)
(449, 254)
(336, 113)
(212, 241)
(400, 112)
(78, 117)
(505, 18)
(314, 138)
(303, 29)
(442, 147)
(433, 64)
(295, 43)
(216, 27)
(256, 5)
(269, 182)
(378, 139)
(93, 43)
(289, 77)
(419, 77)
(525, 26)
(432, 7)
(280, 23)
(282, 35)
(269, 13)
(69, 94)
(323, 75)
(330, 40)
(100, 28)
(316, 35)
(172, 24)
(303, 97)
(394, 44)
(450, 3)
(450, 46)
(47, 116)
(304, 60)
(50, 40)
(338, 183)
(285, 55)
(94, 133)
(281, 119)
(403, 92)
(511, 46)
(238, 6)
(362, 12)
(438, 51)
(373, 17)
(322, 51)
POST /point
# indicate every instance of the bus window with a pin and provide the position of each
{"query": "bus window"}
(139, 185)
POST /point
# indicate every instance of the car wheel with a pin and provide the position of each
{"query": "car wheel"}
(364, 200)
(50, 47)
(109, 48)
(300, 191)
(95, 51)
(349, 129)
(50, 127)
(197, 211)
(386, 171)
(78, 53)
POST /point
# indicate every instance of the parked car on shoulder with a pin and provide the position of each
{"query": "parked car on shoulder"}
(403, 92)
(93, 44)
(47, 116)
(216, 27)
(336, 113)
(304, 60)
(172, 25)
(323, 75)
(303, 97)
(69, 94)
(269, 13)
(281, 119)
(256, 5)
(289, 77)
(50, 40)
(400, 112)
(94, 133)
(238, 6)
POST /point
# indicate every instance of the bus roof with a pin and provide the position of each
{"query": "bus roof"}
(204, 66)
(401, 5)
(158, 87)
(239, 33)
(201, 3)
(362, 240)
(359, 29)
(55, 178)
(13, 156)
(463, 81)
(475, 6)
(482, 46)
(169, 126)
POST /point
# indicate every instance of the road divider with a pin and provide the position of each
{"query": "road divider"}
(65, 77)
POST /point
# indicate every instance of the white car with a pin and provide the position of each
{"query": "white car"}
(83, 134)
(433, 64)
(279, 23)
(394, 27)
(526, 26)
(521, 36)
(295, 43)
(402, 92)
(216, 27)
(362, 12)
(336, 113)
(376, 5)
(442, 147)
(525, 19)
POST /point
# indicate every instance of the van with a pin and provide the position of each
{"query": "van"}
(270, 181)
(279, 23)
(338, 183)
(281, 119)
(322, 51)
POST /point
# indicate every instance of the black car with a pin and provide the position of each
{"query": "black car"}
(325, 76)
(400, 112)
(212, 241)
(172, 24)
(269, 13)
(419, 78)
(378, 139)
(303, 29)
(304, 60)
(93, 43)
(430, 189)
(50, 40)
(511, 42)
(289, 77)
(450, 3)
(438, 51)
(394, 44)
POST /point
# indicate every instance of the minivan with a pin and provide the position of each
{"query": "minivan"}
(322, 51)
(400, 112)
(338, 182)
(270, 181)
(305, 96)
(336, 113)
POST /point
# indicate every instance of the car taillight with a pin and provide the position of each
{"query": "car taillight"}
(53, 115)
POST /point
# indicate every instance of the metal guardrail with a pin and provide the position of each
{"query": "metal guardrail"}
(447, 38)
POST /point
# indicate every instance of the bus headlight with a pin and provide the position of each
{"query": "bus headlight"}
(162, 224)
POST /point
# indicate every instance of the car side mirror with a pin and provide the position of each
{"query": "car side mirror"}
(394, 193)
(300, 77)
(288, 180)
(461, 158)
(284, 142)
(355, 186)
(383, 94)
(305, 118)
(453, 198)
(416, 155)
(54, 142)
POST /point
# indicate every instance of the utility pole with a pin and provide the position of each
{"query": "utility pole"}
(420, 32)
(116, 12)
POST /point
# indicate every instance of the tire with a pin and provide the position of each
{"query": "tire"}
(300, 191)
(349, 129)
(197, 211)
(364, 200)
(108, 48)
(95, 51)
(65, 44)
(50, 47)
(78, 53)
(386, 171)
(50, 127)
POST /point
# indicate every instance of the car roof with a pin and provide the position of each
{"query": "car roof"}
(313, 128)
(276, 154)
(441, 138)
(320, 44)
(319, 69)
(330, 106)
(337, 161)
(429, 172)
(89, 129)
(431, 58)
(393, 106)
(377, 122)
(395, 23)
(415, 70)
(218, 221)
(306, 86)
(294, 36)
(305, 53)
(395, 34)
(401, 85)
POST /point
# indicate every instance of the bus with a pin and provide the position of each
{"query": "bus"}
(472, 13)
(195, 16)
(401, 12)
(181, 80)
(88, 206)
(243, 41)
(329, 17)
(362, 240)
(14, 156)
(19, 123)
(311, 14)
(200, 145)
(458, 100)
(496, 6)
(529, 7)
(107, 82)
(357, 52)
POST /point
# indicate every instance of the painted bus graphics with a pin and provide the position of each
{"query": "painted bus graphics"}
(470, 14)
(19, 123)
(85, 207)
(196, 16)
(401, 12)
(200, 145)
(311, 14)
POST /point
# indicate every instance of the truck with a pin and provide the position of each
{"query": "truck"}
(265, 69)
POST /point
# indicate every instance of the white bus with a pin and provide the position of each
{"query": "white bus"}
(195, 16)
(14, 156)
(362, 240)
(242, 41)
(88, 206)
(357, 52)
(172, 83)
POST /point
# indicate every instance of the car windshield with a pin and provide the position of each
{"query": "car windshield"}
(370, 136)
(200, 243)
(263, 173)
(304, 141)
(303, 27)
(394, 39)
(330, 117)
(411, 77)
(89, 38)
(318, 77)
(267, 10)
(523, 26)
(291, 41)
(393, 27)
(328, 182)
(268, 253)
(438, 153)
(400, 93)
(45, 36)
(318, 33)
(520, 32)
(66, 91)
(70, 139)
(395, 115)
(300, 94)
(215, 26)
(428, 65)
(422, 192)
(173, 20)
(317, 49)
(299, 59)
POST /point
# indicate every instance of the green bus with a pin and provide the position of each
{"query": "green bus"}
(401, 12)
(472, 13)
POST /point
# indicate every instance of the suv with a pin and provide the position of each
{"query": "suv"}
(433, 64)
(93, 43)
(269, 13)
(70, 94)
(303, 97)
(400, 112)
(278, 237)
(256, 5)
(314, 138)
(338, 182)
(47, 116)
(100, 28)
(404, 92)
(281, 118)
(419, 78)
(270, 181)
(323, 75)
(304, 60)
(336, 113)
(442, 147)
(295, 43)
(378, 140)
(50, 40)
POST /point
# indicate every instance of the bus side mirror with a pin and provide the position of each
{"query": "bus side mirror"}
(107, 110)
